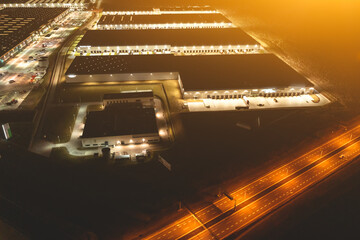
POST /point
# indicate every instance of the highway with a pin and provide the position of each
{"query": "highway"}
(212, 221)
(281, 195)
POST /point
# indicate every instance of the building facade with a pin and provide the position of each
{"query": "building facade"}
(121, 140)
(145, 97)
(167, 49)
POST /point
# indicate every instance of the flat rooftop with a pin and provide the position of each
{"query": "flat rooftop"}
(163, 19)
(123, 95)
(200, 72)
(150, 7)
(17, 24)
(173, 37)
(120, 119)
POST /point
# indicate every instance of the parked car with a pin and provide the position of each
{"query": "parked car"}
(261, 105)
(14, 101)
(11, 81)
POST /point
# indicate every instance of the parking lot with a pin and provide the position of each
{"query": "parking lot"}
(26, 70)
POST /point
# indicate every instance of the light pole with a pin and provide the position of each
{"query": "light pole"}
(219, 192)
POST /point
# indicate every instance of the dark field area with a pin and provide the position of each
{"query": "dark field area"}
(89, 195)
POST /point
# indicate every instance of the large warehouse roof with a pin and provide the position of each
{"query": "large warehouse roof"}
(163, 19)
(173, 37)
(125, 95)
(122, 64)
(120, 119)
(17, 24)
(201, 72)
(239, 71)
(150, 7)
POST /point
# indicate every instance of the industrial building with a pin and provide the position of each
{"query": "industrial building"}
(145, 97)
(21, 26)
(120, 124)
(161, 10)
(199, 77)
(163, 21)
(167, 41)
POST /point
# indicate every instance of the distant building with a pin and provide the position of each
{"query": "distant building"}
(167, 41)
(146, 98)
(162, 10)
(199, 77)
(120, 124)
(162, 21)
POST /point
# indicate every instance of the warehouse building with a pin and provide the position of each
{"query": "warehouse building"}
(167, 41)
(199, 77)
(162, 10)
(20, 26)
(120, 124)
(163, 21)
(145, 97)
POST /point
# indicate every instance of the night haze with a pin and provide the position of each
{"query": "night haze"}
(154, 119)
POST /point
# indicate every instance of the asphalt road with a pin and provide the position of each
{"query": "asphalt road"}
(54, 80)
(219, 220)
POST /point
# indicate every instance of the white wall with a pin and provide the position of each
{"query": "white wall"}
(117, 140)
(163, 26)
(166, 49)
(238, 93)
